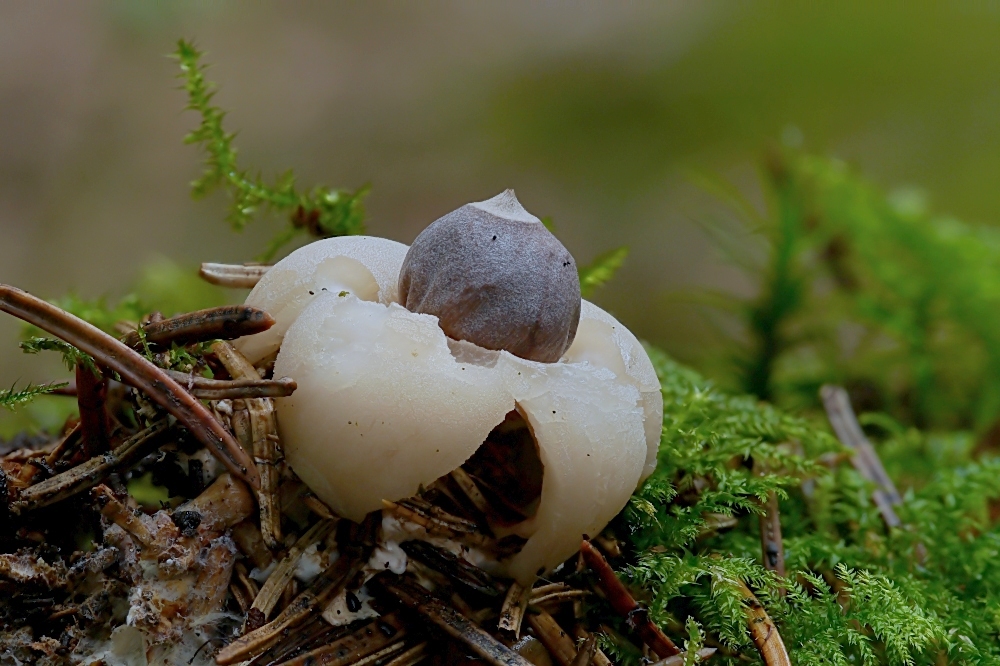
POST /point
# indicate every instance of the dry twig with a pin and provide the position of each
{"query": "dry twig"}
(624, 603)
(137, 371)
(270, 593)
(305, 605)
(456, 625)
(89, 474)
(762, 630)
(380, 637)
(512, 611)
(227, 322)
(556, 641)
(865, 459)
(258, 431)
(233, 389)
(245, 276)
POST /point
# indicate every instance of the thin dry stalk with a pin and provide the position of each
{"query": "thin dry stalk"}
(69, 441)
(845, 424)
(243, 600)
(245, 276)
(771, 543)
(262, 438)
(378, 638)
(763, 631)
(91, 392)
(413, 656)
(453, 623)
(456, 569)
(227, 322)
(307, 636)
(126, 519)
(89, 474)
(308, 603)
(512, 611)
(458, 529)
(270, 592)
(317, 506)
(469, 488)
(556, 641)
(625, 604)
(234, 389)
(561, 596)
(136, 371)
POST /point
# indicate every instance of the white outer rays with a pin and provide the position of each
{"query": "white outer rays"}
(365, 266)
(386, 403)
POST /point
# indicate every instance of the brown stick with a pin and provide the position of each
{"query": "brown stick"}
(270, 593)
(235, 389)
(308, 603)
(865, 459)
(137, 371)
(89, 474)
(373, 638)
(223, 323)
(763, 632)
(91, 392)
(512, 610)
(556, 641)
(771, 543)
(456, 569)
(261, 437)
(233, 275)
(456, 625)
(625, 604)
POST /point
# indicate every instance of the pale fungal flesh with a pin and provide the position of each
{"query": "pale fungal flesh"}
(362, 265)
(387, 404)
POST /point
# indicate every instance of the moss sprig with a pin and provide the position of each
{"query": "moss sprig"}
(321, 211)
(13, 398)
(601, 270)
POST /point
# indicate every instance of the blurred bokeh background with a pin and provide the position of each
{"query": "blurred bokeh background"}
(597, 114)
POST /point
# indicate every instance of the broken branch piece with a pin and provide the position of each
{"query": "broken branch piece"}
(137, 371)
(624, 603)
(237, 276)
(233, 389)
(89, 474)
(222, 323)
(456, 625)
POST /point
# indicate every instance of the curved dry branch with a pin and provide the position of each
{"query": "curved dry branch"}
(136, 371)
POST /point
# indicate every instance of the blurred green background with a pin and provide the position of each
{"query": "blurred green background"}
(596, 113)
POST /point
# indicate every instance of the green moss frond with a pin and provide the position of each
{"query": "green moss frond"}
(322, 211)
(601, 270)
(13, 398)
(72, 356)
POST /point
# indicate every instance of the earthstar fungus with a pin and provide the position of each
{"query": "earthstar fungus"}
(387, 402)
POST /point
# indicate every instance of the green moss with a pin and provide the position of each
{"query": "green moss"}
(855, 592)
(321, 211)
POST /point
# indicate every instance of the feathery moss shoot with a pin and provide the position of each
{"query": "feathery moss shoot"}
(13, 398)
(600, 271)
(322, 211)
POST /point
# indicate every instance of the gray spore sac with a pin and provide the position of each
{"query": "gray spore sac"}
(495, 276)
